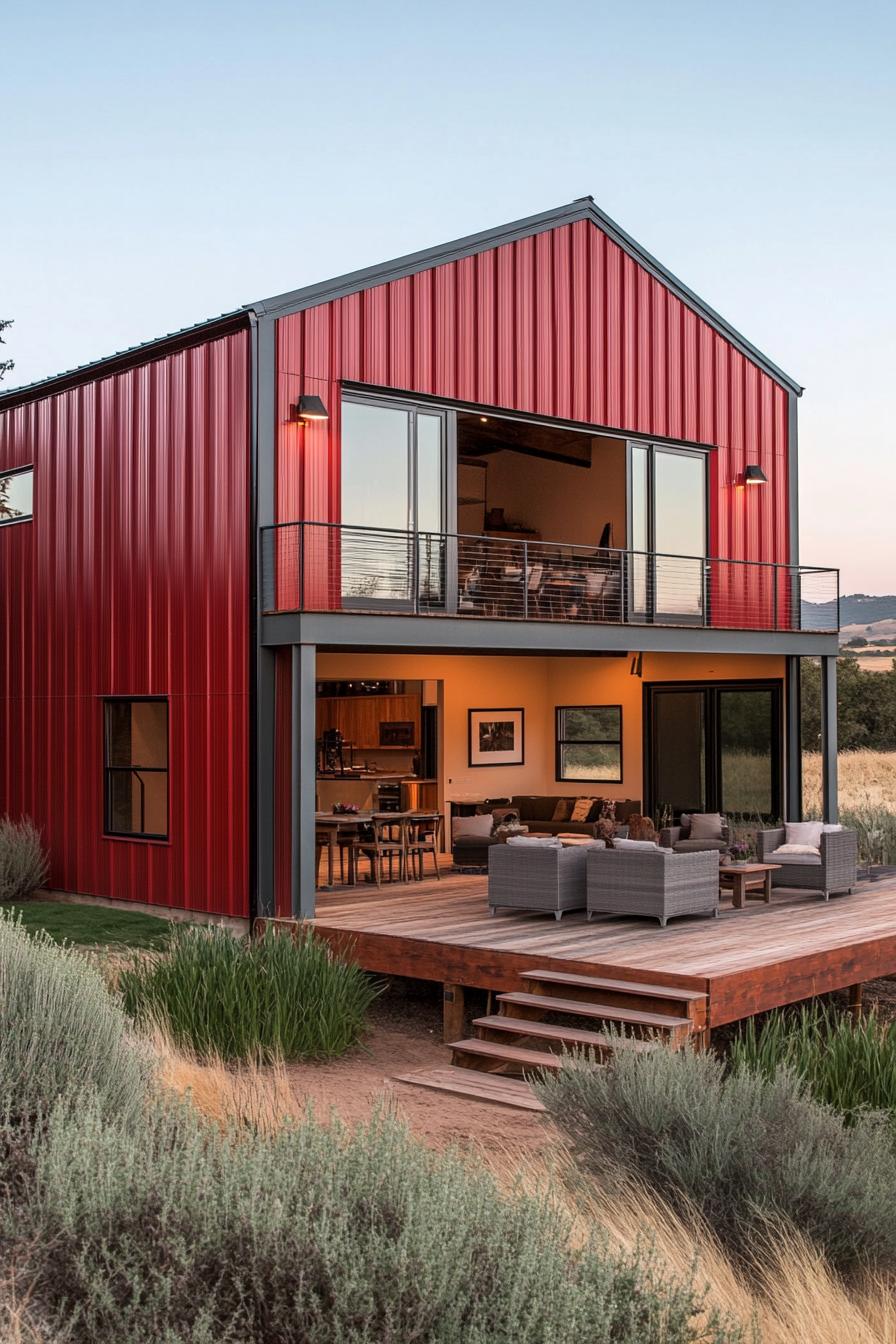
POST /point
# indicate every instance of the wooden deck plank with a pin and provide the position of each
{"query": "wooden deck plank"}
(747, 960)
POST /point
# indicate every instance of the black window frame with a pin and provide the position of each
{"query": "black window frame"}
(110, 770)
(24, 517)
(561, 742)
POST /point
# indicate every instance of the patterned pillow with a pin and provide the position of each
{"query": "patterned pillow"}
(581, 809)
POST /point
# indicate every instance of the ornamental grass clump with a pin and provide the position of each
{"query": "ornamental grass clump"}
(849, 1064)
(174, 1231)
(24, 865)
(744, 1151)
(266, 998)
(60, 1029)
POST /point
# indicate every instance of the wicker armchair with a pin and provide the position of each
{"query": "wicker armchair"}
(834, 871)
(679, 839)
(645, 882)
(531, 877)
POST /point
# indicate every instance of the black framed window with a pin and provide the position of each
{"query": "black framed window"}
(136, 767)
(17, 495)
(589, 743)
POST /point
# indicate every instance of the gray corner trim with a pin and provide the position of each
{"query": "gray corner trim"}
(793, 479)
(373, 633)
(829, 791)
(262, 709)
(368, 277)
(793, 743)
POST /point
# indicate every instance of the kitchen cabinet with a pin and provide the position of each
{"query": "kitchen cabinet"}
(358, 718)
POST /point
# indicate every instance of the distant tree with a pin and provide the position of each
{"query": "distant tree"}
(5, 364)
(857, 642)
(866, 705)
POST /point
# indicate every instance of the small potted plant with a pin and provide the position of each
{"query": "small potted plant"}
(740, 853)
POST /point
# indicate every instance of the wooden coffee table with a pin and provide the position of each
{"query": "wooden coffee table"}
(743, 878)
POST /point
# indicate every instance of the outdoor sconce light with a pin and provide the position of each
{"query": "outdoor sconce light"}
(310, 408)
(754, 475)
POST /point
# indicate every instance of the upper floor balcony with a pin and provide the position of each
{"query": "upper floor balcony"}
(330, 567)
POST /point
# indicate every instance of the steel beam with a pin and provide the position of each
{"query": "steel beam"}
(303, 775)
(830, 805)
(793, 742)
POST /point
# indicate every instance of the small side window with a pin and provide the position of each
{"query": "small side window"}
(16, 495)
(136, 764)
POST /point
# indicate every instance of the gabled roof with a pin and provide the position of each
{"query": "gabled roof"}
(325, 291)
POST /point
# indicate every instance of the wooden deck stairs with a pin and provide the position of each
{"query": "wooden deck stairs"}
(557, 1011)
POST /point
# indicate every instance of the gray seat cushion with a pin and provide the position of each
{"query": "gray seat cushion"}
(699, 846)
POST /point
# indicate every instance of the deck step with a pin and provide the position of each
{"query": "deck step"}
(519, 1005)
(637, 988)
(573, 1037)
(492, 1087)
(475, 1053)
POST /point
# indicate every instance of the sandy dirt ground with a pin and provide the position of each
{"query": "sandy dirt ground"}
(406, 1036)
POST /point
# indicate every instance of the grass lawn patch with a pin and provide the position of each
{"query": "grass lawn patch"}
(93, 925)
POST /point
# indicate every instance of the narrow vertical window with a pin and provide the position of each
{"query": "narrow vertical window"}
(136, 768)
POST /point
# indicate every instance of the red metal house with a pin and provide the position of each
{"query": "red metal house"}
(527, 468)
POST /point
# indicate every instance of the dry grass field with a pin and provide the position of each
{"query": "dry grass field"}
(867, 779)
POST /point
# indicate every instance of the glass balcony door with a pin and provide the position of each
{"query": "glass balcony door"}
(393, 504)
(667, 527)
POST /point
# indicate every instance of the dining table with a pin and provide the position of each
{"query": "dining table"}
(338, 824)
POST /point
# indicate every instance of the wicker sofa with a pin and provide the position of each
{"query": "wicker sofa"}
(651, 882)
(534, 877)
(834, 870)
(679, 838)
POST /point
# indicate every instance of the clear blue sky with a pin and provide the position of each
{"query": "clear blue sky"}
(163, 163)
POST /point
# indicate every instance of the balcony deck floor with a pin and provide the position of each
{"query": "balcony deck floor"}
(746, 960)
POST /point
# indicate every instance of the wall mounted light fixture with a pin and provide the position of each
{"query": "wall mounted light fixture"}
(310, 408)
(754, 475)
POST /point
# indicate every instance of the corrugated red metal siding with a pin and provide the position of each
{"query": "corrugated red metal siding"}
(133, 580)
(563, 324)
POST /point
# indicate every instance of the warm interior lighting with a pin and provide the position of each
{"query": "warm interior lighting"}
(754, 475)
(483, 419)
(310, 408)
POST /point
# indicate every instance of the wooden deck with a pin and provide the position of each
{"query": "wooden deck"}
(745, 961)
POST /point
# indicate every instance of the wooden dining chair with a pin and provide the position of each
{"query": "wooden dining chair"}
(388, 841)
(321, 843)
(424, 836)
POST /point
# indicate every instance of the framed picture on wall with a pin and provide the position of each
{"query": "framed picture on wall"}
(496, 736)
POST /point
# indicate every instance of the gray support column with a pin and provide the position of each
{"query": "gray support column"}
(793, 744)
(829, 738)
(304, 780)
(265, 752)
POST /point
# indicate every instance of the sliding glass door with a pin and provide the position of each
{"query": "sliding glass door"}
(667, 531)
(393, 504)
(714, 747)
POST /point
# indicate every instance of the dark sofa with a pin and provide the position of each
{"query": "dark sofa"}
(535, 811)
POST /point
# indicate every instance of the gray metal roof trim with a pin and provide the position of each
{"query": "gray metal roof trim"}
(107, 365)
(582, 208)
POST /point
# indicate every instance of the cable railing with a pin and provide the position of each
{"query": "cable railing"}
(325, 567)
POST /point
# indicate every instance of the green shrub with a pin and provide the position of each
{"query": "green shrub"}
(849, 1064)
(23, 859)
(59, 1029)
(240, 998)
(740, 1148)
(169, 1231)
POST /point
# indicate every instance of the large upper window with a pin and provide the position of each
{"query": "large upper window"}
(136, 765)
(589, 743)
(16, 492)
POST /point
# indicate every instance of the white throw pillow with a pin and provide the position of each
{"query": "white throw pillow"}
(637, 844)
(796, 849)
(781, 856)
(535, 841)
(803, 833)
(476, 825)
(830, 826)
